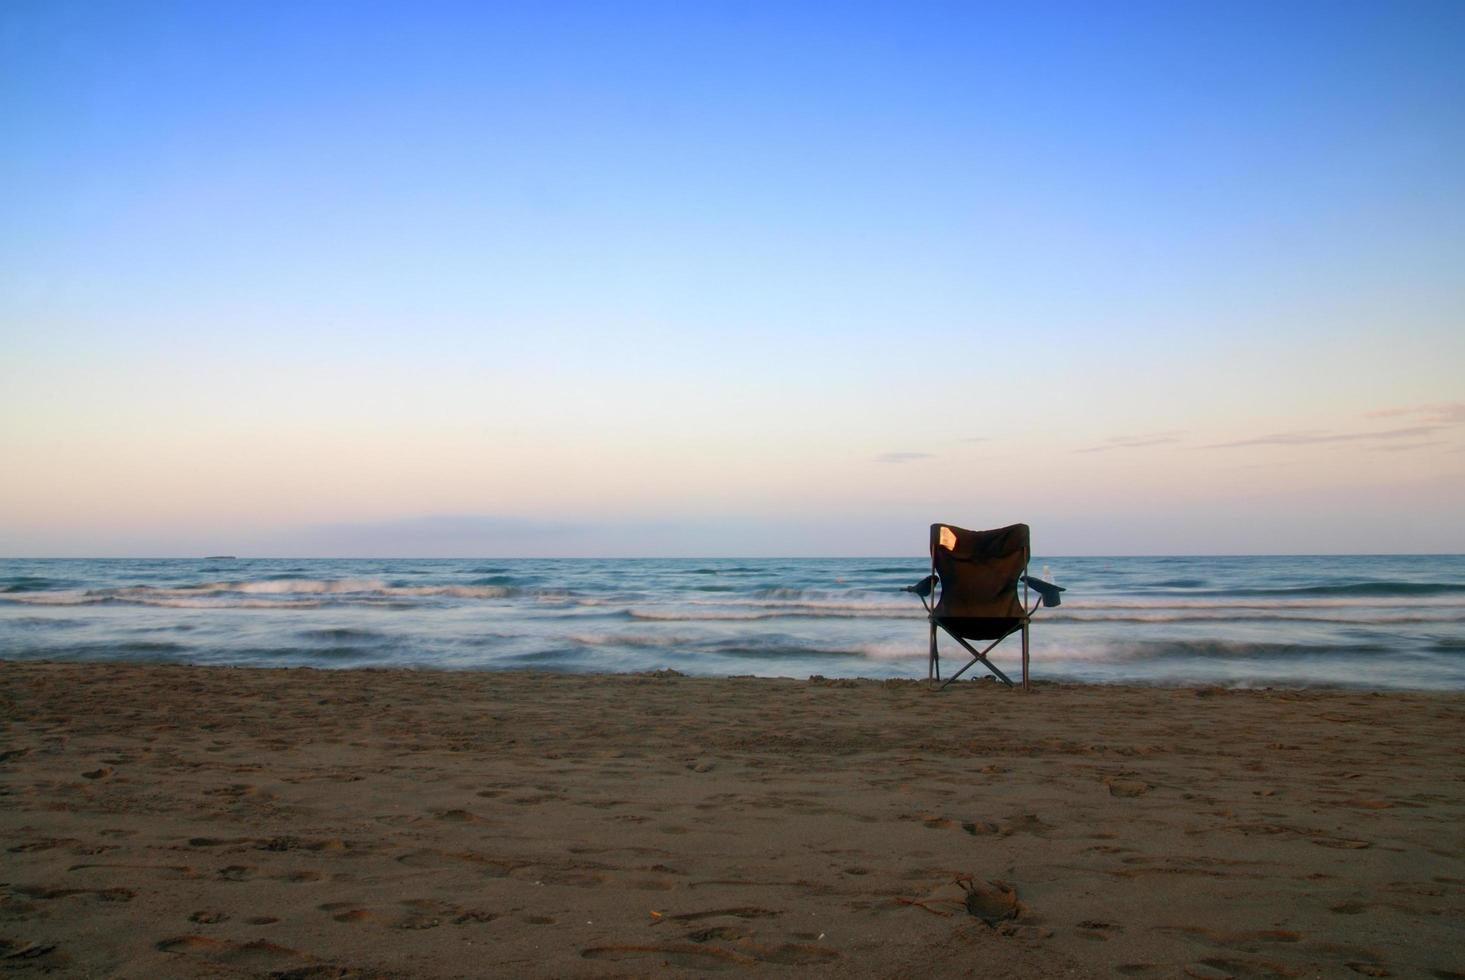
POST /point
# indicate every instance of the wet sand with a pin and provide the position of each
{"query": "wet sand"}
(173, 821)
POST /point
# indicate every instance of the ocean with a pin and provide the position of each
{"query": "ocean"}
(1395, 622)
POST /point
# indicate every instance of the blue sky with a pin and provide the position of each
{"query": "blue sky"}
(721, 278)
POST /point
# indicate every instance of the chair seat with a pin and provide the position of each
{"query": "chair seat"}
(980, 627)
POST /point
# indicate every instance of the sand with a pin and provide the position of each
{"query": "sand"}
(165, 821)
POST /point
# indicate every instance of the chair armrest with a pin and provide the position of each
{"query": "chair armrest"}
(923, 587)
(1047, 591)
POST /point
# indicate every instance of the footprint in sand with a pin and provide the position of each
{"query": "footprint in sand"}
(793, 954)
(258, 955)
(417, 921)
(719, 932)
(278, 844)
(101, 894)
(648, 884)
(47, 844)
(573, 878)
(739, 912)
(688, 957)
(1127, 787)
(1098, 930)
(1208, 971)
(1026, 823)
(238, 791)
(1246, 942)
(1219, 968)
(298, 877)
(535, 799)
(21, 955)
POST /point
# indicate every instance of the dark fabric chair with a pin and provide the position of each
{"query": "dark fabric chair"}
(978, 574)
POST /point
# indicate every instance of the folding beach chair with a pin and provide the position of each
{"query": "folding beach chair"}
(977, 573)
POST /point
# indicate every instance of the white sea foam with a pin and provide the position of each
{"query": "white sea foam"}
(183, 602)
(284, 586)
(915, 649)
(70, 597)
(269, 594)
(1166, 602)
(732, 613)
(634, 639)
(1361, 615)
(342, 587)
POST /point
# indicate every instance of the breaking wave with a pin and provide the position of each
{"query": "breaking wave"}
(1359, 589)
(270, 593)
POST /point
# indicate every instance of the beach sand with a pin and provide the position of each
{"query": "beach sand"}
(173, 821)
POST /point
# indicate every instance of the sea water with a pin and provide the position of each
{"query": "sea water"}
(1368, 622)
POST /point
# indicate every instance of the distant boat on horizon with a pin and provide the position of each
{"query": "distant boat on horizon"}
(220, 558)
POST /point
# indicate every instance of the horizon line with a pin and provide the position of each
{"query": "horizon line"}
(1238, 554)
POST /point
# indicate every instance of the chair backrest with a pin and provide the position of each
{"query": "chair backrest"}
(979, 570)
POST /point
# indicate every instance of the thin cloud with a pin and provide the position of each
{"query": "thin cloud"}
(1435, 413)
(902, 457)
(1135, 442)
(1408, 446)
(1312, 437)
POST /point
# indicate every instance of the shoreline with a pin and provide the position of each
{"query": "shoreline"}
(1039, 683)
(168, 820)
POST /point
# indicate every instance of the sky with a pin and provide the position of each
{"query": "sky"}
(543, 279)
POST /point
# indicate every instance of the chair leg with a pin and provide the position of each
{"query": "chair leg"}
(1024, 656)
(933, 665)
